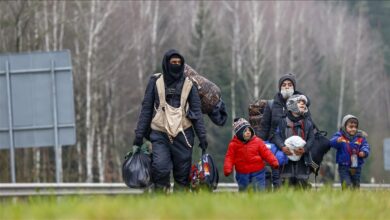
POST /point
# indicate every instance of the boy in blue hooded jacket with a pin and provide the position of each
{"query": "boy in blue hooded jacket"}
(352, 148)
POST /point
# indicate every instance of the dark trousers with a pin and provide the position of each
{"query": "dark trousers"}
(272, 178)
(349, 177)
(296, 174)
(167, 157)
(256, 178)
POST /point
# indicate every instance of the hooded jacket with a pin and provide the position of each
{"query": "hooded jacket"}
(173, 87)
(349, 144)
(247, 157)
(346, 146)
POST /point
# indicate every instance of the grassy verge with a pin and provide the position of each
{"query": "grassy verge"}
(284, 204)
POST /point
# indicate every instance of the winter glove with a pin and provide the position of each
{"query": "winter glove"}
(275, 167)
(138, 141)
(203, 144)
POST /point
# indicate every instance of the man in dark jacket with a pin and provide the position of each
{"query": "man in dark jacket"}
(168, 151)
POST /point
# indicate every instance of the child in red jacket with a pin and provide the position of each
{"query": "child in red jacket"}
(246, 153)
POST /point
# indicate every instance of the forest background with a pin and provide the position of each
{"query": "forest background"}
(339, 51)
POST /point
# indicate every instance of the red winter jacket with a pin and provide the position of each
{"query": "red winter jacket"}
(248, 157)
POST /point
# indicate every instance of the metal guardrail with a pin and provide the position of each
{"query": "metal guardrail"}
(44, 189)
(63, 189)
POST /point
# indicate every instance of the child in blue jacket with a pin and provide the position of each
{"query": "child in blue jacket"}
(352, 148)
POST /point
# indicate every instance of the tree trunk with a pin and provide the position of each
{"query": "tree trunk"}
(100, 157)
(357, 58)
(46, 20)
(55, 25)
(62, 25)
(292, 39)
(277, 42)
(90, 130)
(154, 35)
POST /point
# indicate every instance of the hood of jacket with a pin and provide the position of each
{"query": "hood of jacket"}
(171, 77)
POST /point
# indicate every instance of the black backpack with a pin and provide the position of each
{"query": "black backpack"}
(204, 174)
(321, 146)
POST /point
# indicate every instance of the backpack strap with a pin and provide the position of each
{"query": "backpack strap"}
(160, 88)
(185, 92)
(270, 103)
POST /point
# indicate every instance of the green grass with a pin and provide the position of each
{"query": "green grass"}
(284, 204)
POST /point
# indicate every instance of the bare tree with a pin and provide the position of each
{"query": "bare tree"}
(236, 60)
(98, 15)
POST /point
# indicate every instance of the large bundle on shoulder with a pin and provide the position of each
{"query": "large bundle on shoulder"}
(209, 93)
(210, 96)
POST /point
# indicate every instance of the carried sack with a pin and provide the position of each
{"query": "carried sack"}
(136, 169)
(256, 111)
(204, 174)
(292, 143)
(280, 156)
(209, 93)
(321, 146)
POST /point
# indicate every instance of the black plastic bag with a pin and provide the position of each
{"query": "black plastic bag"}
(136, 169)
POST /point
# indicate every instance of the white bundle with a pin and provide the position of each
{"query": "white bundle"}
(293, 143)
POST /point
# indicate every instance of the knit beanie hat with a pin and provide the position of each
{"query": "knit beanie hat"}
(292, 103)
(239, 126)
(346, 119)
(288, 76)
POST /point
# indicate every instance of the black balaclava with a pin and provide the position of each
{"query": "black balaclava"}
(172, 73)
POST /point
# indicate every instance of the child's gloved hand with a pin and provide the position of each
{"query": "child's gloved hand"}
(227, 173)
(361, 154)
